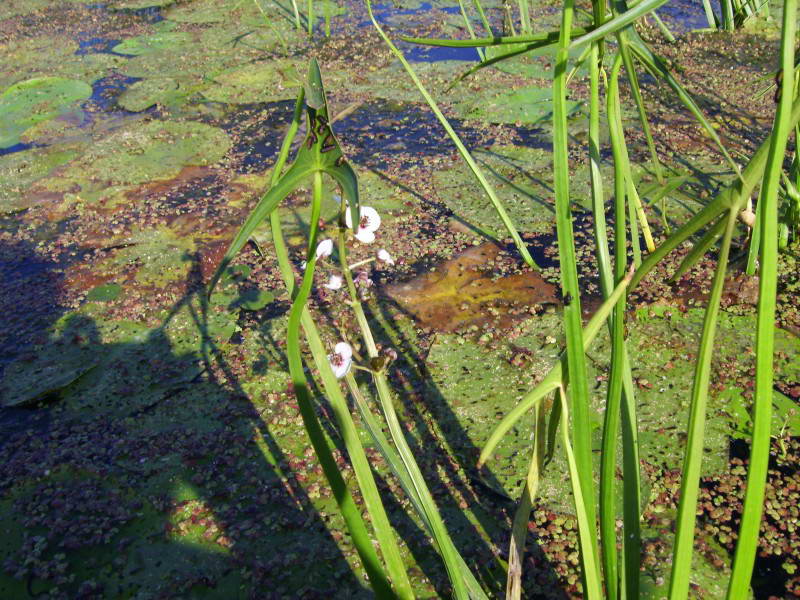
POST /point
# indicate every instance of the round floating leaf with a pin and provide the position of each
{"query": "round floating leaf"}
(104, 293)
(29, 102)
(259, 82)
(522, 177)
(14, 8)
(139, 4)
(254, 299)
(144, 94)
(156, 150)
(144, 44)
(18, 171)
(527, 105)
(202, 11)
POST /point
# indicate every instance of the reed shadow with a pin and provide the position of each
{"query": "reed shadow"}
(159, 474)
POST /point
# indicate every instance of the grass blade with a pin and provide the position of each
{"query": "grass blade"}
(576, 360)
(608, 464)
(476, 171)
(762, 404)
(619, 22)
(690, 481)
(699, 249)
(522, 516)
(593, 586)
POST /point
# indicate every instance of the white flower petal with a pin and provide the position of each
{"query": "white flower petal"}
(342, 369)
(384, 256)
(324, 248)
(334, 283)
(364, 236)
(341, 359)
(348, 219)
(370, 219)
(344, 350)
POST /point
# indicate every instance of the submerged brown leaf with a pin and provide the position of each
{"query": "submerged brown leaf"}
(466, 290)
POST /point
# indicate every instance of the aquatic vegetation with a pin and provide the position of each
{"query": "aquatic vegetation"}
(27, 103)
(155, 438)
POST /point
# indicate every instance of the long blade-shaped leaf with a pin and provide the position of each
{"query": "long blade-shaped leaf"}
(462, 149)
(765, 332)
(690, 482)
(551, 37)
(617, 23)
(657, 66)
(576, 360)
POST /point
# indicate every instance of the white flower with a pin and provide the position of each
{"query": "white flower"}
(324, 248)
(341, 359)
(370, 221)
(334, 283)
(384, 256)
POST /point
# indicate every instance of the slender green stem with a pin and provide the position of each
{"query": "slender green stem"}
(484, 20)
(755, 242)
(397, 467)
(439, 532)
(347, 505)
(498, 205)
(710, 17)
(664, 29)
(636, 91)
(327, 18)
(576, 361)
(310, 17)
(469, 27)
(593, 587)
(762, 404)
(519, 530)
(690, 481)
(608, 464)
(524, 16)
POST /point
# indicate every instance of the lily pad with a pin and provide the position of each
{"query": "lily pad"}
(144, 94)
(464, 292)
(21, 169)
(259, 82)
(254, 299)
(27, 103)
(52, 56)
(533, 105)
(156, 150)
(14, 8)
(522, 178)
(104, 293)
(200, 11)
(145, 44)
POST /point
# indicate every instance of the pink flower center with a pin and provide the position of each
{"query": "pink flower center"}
(364, 223)
(337, 360)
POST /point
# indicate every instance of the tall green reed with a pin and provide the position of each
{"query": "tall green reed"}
(608, 572)
(720, 218)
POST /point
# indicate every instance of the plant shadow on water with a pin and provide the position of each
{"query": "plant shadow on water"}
(154, 475)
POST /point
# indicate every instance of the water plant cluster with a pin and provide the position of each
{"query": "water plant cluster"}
(270, 364)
